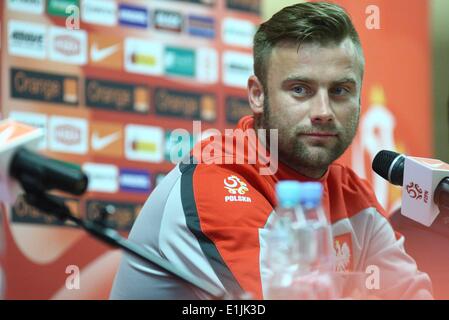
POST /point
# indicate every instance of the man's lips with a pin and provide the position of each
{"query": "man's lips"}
(320, 134)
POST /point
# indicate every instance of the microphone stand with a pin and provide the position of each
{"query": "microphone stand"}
(36, 196)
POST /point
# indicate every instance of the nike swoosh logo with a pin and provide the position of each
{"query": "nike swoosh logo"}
(6, 134)
(99, 143)
(97, 54)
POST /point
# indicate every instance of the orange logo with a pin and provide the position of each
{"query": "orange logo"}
(106, 139)
(234, 185)
(105, 51)
(71, 90)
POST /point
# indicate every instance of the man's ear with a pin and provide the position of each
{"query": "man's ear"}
(256, 95)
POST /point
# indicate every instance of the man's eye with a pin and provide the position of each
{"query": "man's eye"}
(299, 90)
(339, 91)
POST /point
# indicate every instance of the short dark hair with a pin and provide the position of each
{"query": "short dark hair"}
(309, 22)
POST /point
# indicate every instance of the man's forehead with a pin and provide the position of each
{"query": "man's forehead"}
(309, 49)
(305, 60)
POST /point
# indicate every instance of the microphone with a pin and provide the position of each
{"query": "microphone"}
(35, 172)
(426, 184)
(38, 174)
(48, 173)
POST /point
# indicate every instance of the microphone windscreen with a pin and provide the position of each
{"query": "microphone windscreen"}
(382, 162)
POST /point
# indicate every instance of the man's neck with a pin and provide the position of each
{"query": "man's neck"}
(312, 173)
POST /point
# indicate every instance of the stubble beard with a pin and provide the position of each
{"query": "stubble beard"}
(294, 152)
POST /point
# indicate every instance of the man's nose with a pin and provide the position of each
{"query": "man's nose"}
(321, 110)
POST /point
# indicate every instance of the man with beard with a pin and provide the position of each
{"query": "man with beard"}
(209, 215)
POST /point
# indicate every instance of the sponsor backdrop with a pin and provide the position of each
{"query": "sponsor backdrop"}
(109, 80)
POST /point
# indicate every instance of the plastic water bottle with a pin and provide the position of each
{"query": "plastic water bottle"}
(299, 249)
(315, 256)
(318, 249)
(282, 245)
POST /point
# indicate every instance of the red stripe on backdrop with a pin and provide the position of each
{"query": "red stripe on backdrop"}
(29, 280)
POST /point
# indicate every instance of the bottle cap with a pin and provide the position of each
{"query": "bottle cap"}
(310, 194)
(288, 193)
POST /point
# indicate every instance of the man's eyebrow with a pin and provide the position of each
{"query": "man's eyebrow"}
(345, 80)
(310, 80)
(298, 79)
